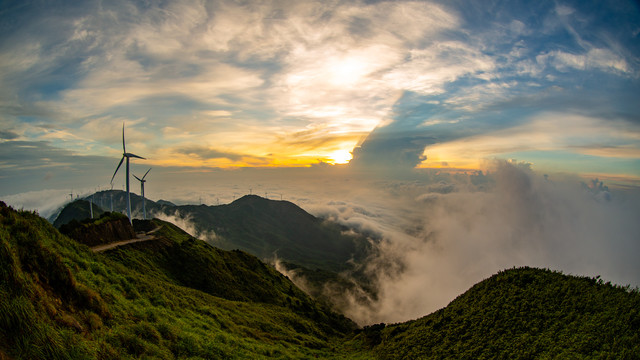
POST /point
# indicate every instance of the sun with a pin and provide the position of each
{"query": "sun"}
(340, 157)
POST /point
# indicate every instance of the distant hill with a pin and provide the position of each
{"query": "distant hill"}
(262, 227)
(165, 203)
(108, 228)
(269, 228)
(522, 313)
(77, 210)
(108, 200)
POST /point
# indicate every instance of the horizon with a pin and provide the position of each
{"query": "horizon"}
(469, 135)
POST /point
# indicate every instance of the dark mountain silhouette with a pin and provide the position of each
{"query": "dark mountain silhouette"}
(108, 228)
(270, 228)
(77, 210)
(265, 228)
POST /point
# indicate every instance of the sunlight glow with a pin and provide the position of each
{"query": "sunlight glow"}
(340, 157)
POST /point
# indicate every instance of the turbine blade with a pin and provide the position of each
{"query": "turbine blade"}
(118, 168)
(124, 149)
(133, 155)
(145, 174)
(137, 178)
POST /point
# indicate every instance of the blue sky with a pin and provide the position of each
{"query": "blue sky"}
(398, 86)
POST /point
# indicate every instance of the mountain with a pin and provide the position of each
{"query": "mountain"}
(165, 203)
(265, 228)
(521, 313)
(169, 297)
(108, 228)
(172, 296)
(270, 229)
(77, 210)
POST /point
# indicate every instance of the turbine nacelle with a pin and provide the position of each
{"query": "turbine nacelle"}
(128, 156)
(144, 176)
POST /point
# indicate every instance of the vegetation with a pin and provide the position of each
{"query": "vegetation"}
(522, 313)
(177, 297)
(268, 228)
(59, 300)
(109, 227)
(77, 210)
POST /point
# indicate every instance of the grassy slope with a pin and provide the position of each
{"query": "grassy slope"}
(60, 300)
(267, 227)
(521, 314)
(78, 210)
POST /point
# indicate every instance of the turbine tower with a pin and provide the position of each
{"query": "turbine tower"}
(142, 181)
(126, 155)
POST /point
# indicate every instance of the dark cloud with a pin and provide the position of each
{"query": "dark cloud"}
(8, 135)
(207, 153)
(29, 165)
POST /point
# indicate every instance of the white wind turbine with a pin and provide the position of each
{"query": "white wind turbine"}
(127, 155)
(142, 181)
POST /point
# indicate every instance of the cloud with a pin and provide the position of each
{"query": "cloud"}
(8, 135)
(437, 233)
(202, 152)
(428, 70)
(245, 77)
(437, 244)
(601, 59)
(579, 134)
(185, 223)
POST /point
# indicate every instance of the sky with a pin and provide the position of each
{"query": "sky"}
(389, 86)
(438, 127)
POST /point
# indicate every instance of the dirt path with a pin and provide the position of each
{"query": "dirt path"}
(146, 237)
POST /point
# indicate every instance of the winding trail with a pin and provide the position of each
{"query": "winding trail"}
(140, 238)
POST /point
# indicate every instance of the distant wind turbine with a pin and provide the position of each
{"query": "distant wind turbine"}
(126, 155)
(91, 205)
(142, 181)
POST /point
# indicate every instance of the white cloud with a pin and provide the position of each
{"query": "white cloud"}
(429, 69)
(602, 59)
(578, 134)
(438, 244)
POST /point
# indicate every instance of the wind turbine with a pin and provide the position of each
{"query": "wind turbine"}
(126, 155)
(142, 181)
(91, 205)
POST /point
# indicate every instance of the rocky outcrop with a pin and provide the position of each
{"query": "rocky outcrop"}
(104, 231)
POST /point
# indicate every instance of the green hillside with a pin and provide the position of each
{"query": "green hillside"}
(173, 296)
(266, 228)
(262, 227)
(60, 300)
(77, 210)
(521, 313)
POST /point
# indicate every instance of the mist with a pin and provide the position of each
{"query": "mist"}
(435, 235)
(438, 239)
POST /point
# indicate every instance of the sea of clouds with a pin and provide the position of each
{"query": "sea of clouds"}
(437, 234)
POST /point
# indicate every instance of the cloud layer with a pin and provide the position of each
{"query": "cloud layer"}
(437, 239)
(284, 83)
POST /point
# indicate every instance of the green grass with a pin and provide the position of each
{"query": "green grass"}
(177, 297)
(62, 301)
(522, 313)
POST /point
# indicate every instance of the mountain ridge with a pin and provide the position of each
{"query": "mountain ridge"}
(60, 300)
(263, 227)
